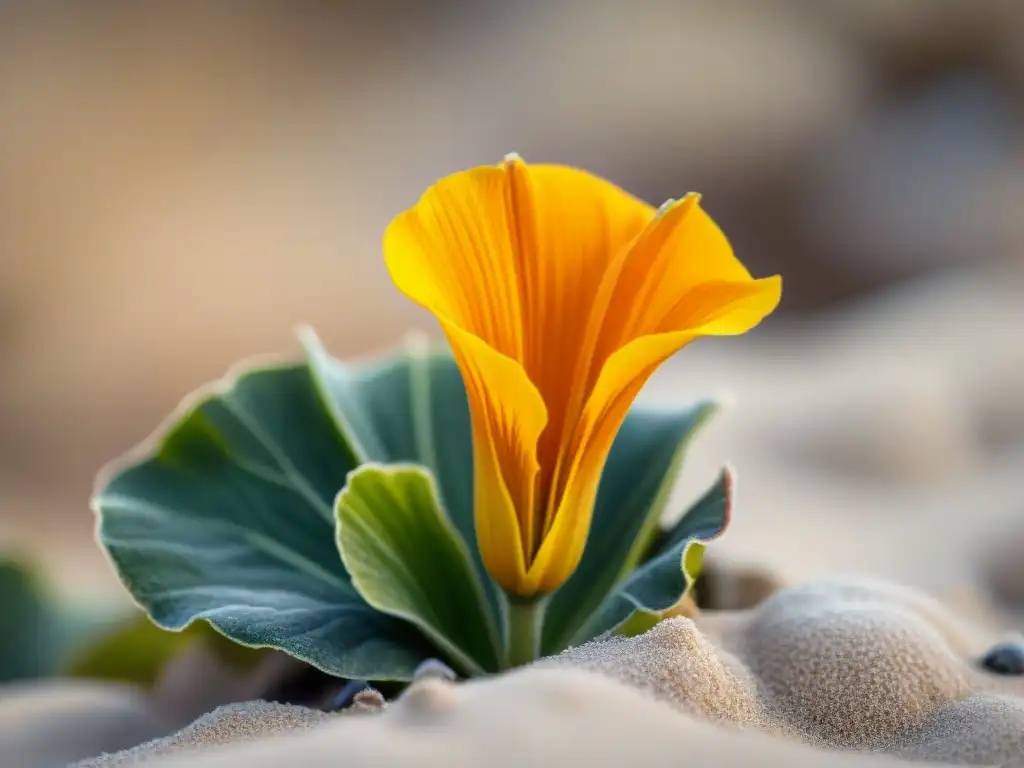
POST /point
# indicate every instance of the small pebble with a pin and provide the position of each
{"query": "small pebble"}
(1005, 659)
(368, 700)
(434, 668)
(348, 693)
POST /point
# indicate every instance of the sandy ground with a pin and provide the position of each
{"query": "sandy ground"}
(840, 672)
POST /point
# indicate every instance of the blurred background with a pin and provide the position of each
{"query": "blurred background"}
(181, 184)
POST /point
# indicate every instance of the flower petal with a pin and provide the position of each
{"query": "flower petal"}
(624, 374)
(453, 254)
(651, 282)
(508, 416)
(571, 226)
(513, 254)
(677, 282)
(509, 259)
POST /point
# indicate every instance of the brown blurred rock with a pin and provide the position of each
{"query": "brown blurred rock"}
(1003, 570)
(917, 39)
(1009, 49)
(729, 586)
(908, 188)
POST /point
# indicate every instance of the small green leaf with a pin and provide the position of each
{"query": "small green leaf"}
(664, 580)
(638, 623)
(229, 519)
(710, 513)
(409, 407)
(635, 487)
(408, 560)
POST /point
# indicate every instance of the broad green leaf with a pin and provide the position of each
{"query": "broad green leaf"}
(405, 407)
(407, 560)
(410, 407)
(228, 518)
(660, 583)
(635, 487)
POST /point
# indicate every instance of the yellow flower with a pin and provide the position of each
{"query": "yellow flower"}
(560, 295)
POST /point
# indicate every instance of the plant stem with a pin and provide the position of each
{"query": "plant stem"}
(525, 621)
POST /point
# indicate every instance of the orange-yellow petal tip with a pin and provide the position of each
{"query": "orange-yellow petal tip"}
(683, 205)
(665, 207)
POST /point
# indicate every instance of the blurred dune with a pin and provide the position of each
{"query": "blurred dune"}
(182, 184)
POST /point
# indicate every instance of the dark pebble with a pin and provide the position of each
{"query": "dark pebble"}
(1005, 659)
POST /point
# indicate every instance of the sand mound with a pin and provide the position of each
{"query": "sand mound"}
(818, 675)
(843, 664)
(229, 724)
(537, 717)
(676, 663)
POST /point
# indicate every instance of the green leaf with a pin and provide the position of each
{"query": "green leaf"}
(664, 580)
(638, 623)
(228, 518)
(408, 560)
(408, 408)
(135, 651)
(26, 646)
(38, 631)
(705, 520)
(635, 487)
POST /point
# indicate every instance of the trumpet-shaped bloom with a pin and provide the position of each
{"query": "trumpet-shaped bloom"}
(560, 295)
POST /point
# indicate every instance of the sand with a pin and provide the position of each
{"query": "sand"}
(845, 671)
(229, 724)
(838, 664)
